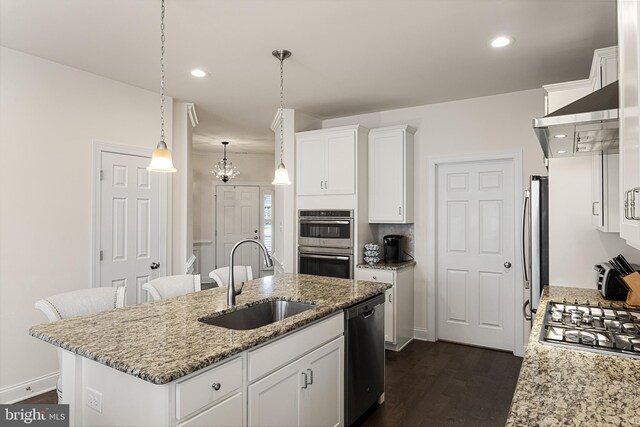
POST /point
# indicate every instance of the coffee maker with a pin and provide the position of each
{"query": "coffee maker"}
(393, 248)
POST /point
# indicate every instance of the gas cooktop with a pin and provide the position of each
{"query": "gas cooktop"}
(599, 328)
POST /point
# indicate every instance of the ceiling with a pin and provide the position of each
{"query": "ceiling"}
(349, 56)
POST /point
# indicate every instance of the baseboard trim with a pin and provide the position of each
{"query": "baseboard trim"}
(420, 334)
(18, 392)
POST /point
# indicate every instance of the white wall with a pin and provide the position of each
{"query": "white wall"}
(492, 123)
(50, 114)
(574, 245)
(254, 169)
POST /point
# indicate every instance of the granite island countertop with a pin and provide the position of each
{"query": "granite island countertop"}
(162, 341)
(569, 387)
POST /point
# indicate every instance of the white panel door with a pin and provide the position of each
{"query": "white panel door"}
(597, 190)
(389, 316)
(476, 253)
(386, 175)
(237, 218)
(311, 152)
(129, 223)
(227, 413)
(274, 401)
(323, 398)
(341, 158)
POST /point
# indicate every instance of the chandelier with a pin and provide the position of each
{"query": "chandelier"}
(225, 170)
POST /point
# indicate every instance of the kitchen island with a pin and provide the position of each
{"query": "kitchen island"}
(157, 364)
(569, 387)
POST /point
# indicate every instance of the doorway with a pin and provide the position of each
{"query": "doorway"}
(129, 220)
(475, 281)
(238, 217)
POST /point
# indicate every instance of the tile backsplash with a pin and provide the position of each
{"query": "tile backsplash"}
(406, 230)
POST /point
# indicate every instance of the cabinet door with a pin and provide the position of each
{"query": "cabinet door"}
(629, 46)
(311, 165)
(275, 399)
(323, 397)
(390, 316)
(386, 176)
(597, 191)
(341, 161)
(226, 413)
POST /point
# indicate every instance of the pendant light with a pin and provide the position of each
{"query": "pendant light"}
(161, 158)
(224, 170)
(281, 176)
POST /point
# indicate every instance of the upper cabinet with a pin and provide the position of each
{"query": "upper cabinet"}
(605, 208)
(629, 48)
(604, 67)
(326, 161)
(391, 174)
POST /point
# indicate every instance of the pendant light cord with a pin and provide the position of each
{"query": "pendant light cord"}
(281, 108)
(162, 72)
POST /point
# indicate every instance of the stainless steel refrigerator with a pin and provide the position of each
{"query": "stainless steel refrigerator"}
(535, 241)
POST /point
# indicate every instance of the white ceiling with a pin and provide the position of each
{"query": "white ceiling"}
(349, 56)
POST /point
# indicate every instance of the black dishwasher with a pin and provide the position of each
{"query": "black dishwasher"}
(364, 356)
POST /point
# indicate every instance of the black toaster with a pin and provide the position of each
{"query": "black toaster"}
(610, 284)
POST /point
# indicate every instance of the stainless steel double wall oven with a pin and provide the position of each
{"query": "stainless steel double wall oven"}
(325, 243)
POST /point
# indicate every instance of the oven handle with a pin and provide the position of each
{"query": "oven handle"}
(341, 258)
(322, 221)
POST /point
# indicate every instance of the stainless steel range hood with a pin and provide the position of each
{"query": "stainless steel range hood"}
(586, 126)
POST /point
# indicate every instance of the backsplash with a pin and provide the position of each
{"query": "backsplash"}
(406, 230)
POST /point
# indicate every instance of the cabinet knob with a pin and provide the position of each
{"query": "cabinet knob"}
(375, 278)
(216, 386)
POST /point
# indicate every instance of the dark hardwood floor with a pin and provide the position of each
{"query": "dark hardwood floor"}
(47, 398)
(435, 384)
(445, 384)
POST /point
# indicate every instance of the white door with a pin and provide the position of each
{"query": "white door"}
(386, 176)
(341, 158)
(237, 218)
(129, 223)
(274, 401)
(323, 397)
(476, 254)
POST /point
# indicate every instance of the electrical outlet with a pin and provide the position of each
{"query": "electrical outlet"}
(94, 400)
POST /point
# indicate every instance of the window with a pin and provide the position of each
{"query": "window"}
(267, 219)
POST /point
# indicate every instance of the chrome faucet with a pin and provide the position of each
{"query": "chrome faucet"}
(231, 288)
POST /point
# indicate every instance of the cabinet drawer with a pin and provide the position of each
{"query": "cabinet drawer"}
(198, 392)
(226, 413)
(272, 356)
(373, 275)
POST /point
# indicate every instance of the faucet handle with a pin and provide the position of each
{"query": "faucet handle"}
(239, 291)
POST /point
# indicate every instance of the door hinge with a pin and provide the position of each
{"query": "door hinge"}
(101, 175)
(101, 255)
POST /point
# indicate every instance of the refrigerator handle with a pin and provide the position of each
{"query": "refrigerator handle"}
(525, 273)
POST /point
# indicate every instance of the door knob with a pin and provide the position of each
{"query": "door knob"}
(256, 237)
(155, 265)
(507, 264)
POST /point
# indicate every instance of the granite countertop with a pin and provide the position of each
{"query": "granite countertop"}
(162, 341)
(389, 266)
(562, 386)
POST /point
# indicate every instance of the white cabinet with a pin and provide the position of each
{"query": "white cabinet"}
(398, 307)
(390, 165)
(228, 413)
(326, 161)
(308, 391)
(560, 94)
(604, 192)
(604, 67)
(629, 49)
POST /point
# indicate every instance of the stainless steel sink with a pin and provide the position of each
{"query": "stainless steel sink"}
(257, 315)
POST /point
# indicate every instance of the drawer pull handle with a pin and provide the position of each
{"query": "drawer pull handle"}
(310, 376)
(216, 386)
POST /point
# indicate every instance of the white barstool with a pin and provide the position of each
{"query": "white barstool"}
(241, 273)
(172, 286)
(83, 302)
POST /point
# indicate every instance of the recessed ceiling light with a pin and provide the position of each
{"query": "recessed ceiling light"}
(560, 136)
(562, 152)
(502, 41)
(199, 73)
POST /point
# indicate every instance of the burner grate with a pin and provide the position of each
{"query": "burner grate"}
(606, 329)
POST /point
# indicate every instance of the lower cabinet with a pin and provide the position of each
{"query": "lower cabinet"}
(227, 413)
(306, 392)
(390, 316)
